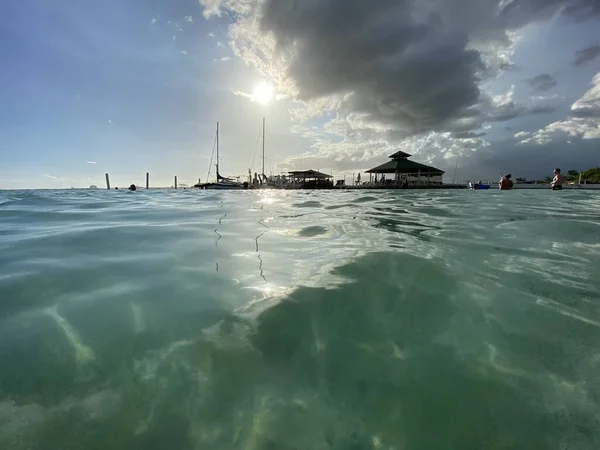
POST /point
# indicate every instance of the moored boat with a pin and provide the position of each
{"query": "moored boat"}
(222, 182)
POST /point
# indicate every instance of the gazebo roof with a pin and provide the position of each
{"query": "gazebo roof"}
(404, 166)
(309, 174)
(400, 154)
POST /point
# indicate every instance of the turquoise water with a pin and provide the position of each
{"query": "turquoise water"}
(299, 320)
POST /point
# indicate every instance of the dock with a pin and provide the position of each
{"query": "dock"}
(410, 186)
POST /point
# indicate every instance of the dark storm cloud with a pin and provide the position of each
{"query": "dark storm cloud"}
(468, 134)
(541, 83)
(530, 161)
(586, 55)
(400, 70)
(582, 9)
(406, 64)
(502, 115)
(522, 12)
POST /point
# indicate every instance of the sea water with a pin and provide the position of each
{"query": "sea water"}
(299, 320)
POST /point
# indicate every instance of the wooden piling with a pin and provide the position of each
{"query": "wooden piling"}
(107, 181)
(175, 181)
(147, 180)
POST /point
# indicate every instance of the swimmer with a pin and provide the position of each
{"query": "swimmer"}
(505, 183)
(132, 187)
(557, 181)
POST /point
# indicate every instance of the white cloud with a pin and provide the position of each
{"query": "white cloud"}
(497, 56)
(544, 98)
(91, 162)
(584, 124)
(225, 58)
(522, 134)
(211, 34)
(216, 7)
(189, 19)
(153, 21)
(211, 8)
(110, 121)
(242, 94)
(220, 44)
(53, 178)
(589, 104)
(183, 52)
(579, 127)
(505, 99)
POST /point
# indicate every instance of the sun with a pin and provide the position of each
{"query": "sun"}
(263, 93)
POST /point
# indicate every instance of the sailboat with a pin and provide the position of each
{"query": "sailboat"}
(222, 182)
(264, 181)
(272, 181)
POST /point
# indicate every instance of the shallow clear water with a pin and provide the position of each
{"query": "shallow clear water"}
(299, 320)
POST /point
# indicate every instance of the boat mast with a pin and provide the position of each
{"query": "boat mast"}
(263, 149)
(218, 175)
(455, 168)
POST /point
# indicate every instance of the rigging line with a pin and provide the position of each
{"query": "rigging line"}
(256, 148)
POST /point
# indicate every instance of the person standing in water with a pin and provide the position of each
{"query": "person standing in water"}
(506, 183)
(557, 181)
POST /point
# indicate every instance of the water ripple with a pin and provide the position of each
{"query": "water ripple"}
(283, 319)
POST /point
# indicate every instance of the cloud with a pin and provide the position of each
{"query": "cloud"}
(183, 52)
(575, 127)
(545, 97)
(242, 94)
(220, 44)
(392, 72)
(211, 34)
(225, 58)
(91, 162)
(530, 161)
(541, 83)
(188, 19)
(584, 122)
(216, 7)
(586, 55)
(110, 121)
(375, 56)
(498, 108)
(153, 21)
(589, 104)
(53, 178)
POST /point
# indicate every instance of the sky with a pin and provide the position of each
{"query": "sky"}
(125, 88)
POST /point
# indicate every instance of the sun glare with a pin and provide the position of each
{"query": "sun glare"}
(263, 93)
